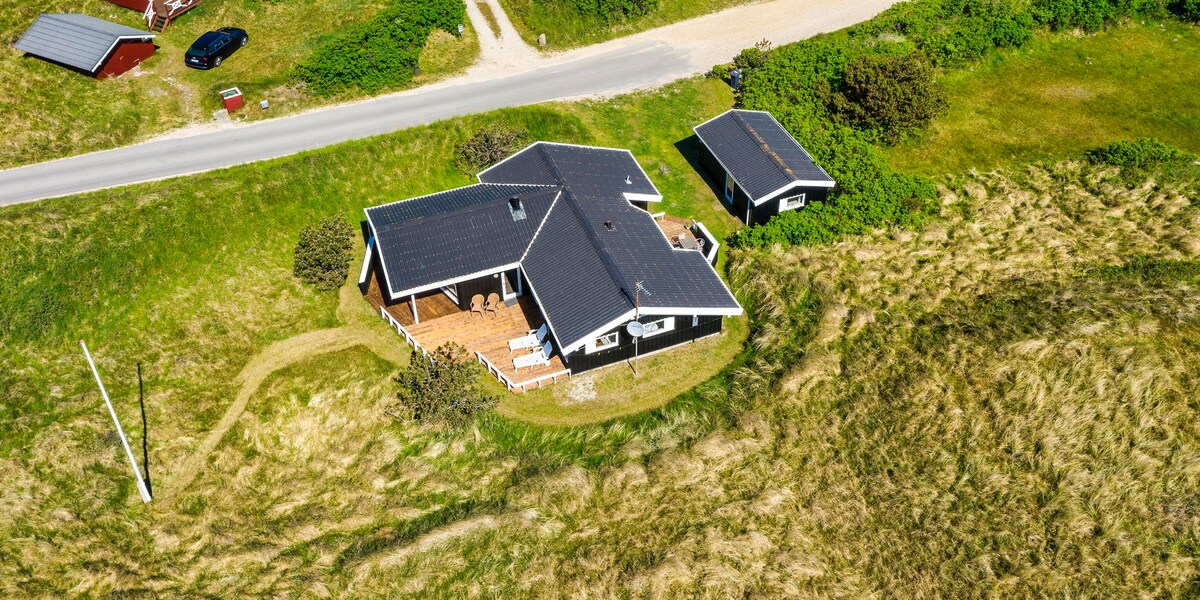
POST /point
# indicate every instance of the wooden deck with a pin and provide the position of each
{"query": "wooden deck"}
(674, 227)
(430, 305)
(442, 322)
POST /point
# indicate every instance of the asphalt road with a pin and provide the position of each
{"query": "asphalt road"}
(640, 61)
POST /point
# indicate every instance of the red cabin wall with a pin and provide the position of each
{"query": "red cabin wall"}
(126, 56)
(138, 5)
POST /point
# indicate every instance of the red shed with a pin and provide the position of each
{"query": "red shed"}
(94, 46)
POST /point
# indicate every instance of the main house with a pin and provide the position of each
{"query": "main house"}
(556, 235)
(761, 169)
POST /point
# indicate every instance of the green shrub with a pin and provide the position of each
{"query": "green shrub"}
(489, 146)
(380, 53)
(1187, 10)
(610, 10)
(442, 387)
(1138, 154)
(323, 254)
(1091, 15)
(891, 95)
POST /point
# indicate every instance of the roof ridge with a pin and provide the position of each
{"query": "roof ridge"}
(461, 187)
(459, 212)
(766, 148)
(610, 265)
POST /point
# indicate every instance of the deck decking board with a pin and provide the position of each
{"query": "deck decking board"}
(489, 334)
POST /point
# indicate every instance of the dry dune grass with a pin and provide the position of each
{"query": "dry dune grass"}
(970, 411)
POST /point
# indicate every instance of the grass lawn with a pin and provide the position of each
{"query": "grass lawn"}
(1064, 94)
(54, 112)
(565, 27)
(990, 406)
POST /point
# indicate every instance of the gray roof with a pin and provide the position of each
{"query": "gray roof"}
(75, 40)
(583, 273)
(759, 153)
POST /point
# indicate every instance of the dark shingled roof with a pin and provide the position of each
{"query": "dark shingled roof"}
(587, 169)
(75, 40)
(442, 236)
(583, 274)
(758, 152)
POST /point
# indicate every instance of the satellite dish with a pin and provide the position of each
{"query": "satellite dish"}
(635, 329)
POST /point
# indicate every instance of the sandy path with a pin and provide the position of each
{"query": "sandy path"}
(288, 352)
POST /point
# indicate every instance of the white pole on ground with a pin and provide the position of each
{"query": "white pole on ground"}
(137, 475)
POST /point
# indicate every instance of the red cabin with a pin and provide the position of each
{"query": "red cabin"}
(94, 46)
(158, 13)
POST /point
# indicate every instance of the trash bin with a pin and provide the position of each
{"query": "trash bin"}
(232, 98)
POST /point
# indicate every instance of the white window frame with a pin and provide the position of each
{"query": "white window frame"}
(783, 202)
(451, 292)
(598, 344)
(663, 325)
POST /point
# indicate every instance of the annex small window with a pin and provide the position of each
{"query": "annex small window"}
(659, 326)
(791, 202)
(604, 342)
(729, 188)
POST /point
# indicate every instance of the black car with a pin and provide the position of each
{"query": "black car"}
(215, 46)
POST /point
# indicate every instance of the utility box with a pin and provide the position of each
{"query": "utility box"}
(232, 98)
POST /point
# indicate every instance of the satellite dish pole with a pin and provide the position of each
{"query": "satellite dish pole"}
(635, 328)
(137, 476)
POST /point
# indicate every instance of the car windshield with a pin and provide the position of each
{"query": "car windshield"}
(202, 45)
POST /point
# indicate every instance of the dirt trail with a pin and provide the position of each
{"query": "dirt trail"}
(352, 311)
(506, 51)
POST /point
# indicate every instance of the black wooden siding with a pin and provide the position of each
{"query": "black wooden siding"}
(580, 361)
(484, 285)
(762, 213)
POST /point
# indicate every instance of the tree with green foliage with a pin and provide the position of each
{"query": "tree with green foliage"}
(891, 95)
(323, 254)
(442, 387)
(489, 146)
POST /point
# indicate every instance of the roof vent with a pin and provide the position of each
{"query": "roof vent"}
(609, 225)
(518, 211)
(628, 180)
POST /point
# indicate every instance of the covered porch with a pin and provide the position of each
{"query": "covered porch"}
(438, 320)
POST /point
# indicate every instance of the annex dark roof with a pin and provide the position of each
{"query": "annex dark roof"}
(583, 274)
(75, 40)
(759, 153)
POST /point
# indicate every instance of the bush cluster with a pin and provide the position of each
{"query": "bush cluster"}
(323, 254)
(1092, 15)
(442, 387)
(380, 53)
(611, 10)
(489, 146)
(1138, 154)
(1187, 10)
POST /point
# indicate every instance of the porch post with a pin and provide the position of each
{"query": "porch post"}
(520, 283)
(413, 301)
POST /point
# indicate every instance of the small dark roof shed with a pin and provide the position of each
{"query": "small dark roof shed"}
(76, 40)
(761, 156)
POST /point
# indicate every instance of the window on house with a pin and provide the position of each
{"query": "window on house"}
(606, 341)
(659, 326)
(791, 202)
(729, 188)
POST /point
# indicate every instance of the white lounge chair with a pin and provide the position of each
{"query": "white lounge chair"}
(533, 339)
(538, 358)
